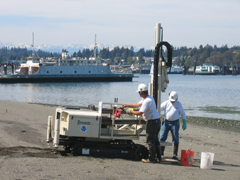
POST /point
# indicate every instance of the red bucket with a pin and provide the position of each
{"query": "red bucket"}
(187, 157)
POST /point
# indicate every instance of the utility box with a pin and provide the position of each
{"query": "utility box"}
(84, 123)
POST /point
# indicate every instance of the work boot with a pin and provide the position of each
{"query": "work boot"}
(162, 150)
(158, 151)
(175, 151)
(152, 156)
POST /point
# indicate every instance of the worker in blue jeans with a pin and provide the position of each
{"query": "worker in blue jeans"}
(173, 109)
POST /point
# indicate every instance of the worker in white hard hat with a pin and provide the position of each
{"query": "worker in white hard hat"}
(173, 109)
(149, 111)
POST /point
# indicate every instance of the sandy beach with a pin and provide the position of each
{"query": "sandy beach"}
(24, 153)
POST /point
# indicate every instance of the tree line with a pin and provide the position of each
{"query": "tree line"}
(7, 54)
(118, 54)
(220, 56)
(183, 56)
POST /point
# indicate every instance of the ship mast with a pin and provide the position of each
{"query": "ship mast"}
(95, 48)
(32, 44)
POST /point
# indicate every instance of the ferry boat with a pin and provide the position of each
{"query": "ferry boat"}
(207, 69)
(66, 69)
(176, 70)
(173, 70)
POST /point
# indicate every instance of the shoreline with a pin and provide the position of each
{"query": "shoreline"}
(24, 153)
(219, 123)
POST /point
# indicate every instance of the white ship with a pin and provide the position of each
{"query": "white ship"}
(207, 69)
(64, 70)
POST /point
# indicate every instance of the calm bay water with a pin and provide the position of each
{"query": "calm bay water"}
(195, 93)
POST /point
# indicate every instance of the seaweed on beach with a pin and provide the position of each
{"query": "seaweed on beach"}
(221, 110)
(232, 125)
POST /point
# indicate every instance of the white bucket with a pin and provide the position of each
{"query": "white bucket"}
(206, 160)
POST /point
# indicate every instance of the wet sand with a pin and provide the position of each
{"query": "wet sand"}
(24, 153)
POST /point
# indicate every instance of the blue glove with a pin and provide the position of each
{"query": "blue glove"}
(184, 126)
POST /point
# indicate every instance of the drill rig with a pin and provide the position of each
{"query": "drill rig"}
(108, 130)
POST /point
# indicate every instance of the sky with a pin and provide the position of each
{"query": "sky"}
(120, 22)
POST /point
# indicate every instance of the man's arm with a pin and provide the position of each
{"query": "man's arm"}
(135, 105)
(136, 113)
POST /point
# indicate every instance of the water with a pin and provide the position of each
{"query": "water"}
(195, 92)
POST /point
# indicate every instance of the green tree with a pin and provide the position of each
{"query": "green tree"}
(130, 60)
(140, 55)
(200, 50)
(131, 52)
(236, 59)
(125, 54)
(202, 58)
(188, 62)
(1, 58)
(24, 56)
(224, 48)
(215, 58)
(79, 54)
(74, 54)
(104, 53)
(116, 60)
(149, 53)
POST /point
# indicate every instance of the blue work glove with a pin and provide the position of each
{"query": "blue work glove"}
(184, 126)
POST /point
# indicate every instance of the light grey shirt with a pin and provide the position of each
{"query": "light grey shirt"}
(173, 111)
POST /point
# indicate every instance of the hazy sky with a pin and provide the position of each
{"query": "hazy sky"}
(120, 22)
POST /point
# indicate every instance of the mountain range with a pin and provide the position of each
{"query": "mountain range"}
(71, 48)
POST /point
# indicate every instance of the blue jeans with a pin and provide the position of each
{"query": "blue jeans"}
(172, 126)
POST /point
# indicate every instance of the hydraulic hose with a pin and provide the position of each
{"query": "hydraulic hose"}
(158, 49)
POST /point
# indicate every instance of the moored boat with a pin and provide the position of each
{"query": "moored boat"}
(207, 69)
(176, 70)
(64, 70)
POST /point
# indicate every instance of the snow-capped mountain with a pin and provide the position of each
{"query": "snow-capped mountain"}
(71, 48)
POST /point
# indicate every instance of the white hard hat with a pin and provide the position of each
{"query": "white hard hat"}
(173, 96)
(142, 87)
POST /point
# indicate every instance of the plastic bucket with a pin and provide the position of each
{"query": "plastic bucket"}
(206, 160)
(187, 157)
